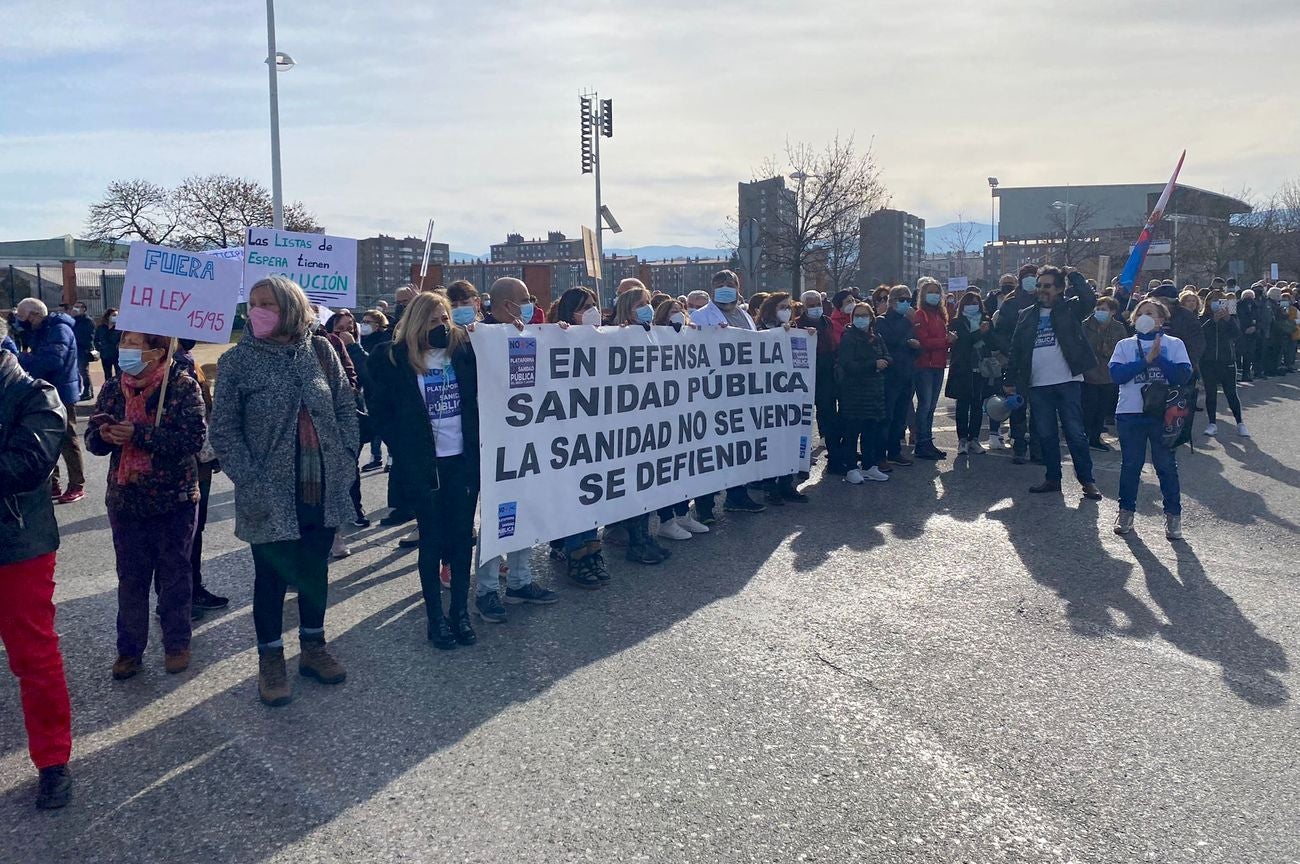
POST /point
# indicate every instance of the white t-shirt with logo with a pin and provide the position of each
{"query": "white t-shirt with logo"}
(1049, 366)
(1133, 350)
(442, 399)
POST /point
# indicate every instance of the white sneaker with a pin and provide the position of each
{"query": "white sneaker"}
(340, 549)
(973, 447)
(1211, 430)
(963, 448)
(672, 531)
(854, 476)
(1242, 430)
(688, 522)
(874, 473)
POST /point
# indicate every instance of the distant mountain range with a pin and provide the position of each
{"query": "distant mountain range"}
(645, 253)
(944, 238)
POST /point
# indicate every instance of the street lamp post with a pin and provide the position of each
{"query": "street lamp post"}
(1066, 206)
(276, 62)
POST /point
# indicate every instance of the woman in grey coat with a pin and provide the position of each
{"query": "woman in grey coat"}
(284, 426)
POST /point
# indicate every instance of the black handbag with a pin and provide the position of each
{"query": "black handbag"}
(1155, 399)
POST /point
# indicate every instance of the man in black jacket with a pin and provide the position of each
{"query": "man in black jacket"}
(32, 428)
(83, 329)
(1049, 354)
(1019, 296)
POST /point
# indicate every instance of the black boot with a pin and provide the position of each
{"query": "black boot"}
(461, 627)
(440, 633)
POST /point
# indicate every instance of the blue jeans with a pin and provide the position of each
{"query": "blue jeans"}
(929, 383)
(1065, 400)
(898, 395)
(1135, 432)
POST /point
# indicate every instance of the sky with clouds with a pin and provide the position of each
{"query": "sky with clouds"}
(467, 112)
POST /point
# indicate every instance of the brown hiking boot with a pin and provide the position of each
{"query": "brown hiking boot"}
(315, 661)
(126, 667)
(272, 681)
(177, 661)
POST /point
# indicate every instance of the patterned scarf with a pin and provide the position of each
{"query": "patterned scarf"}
(134, 462)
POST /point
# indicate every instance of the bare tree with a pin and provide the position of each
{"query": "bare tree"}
(133, 210)
(961, 239)
(1073, 224)
(840, 187)
(201, 213)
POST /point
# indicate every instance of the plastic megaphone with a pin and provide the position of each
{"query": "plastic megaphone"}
(999, 408)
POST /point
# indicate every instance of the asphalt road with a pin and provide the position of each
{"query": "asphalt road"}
(941, 668)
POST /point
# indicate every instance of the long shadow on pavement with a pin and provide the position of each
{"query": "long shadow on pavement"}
(208, 773)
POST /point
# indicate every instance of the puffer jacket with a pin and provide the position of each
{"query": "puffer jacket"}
(972, 347)
(261, 385)
(861, 386)
(52, 356)
(32, 426)
(932, 332)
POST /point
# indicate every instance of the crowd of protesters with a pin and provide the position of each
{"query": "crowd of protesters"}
(289, 411)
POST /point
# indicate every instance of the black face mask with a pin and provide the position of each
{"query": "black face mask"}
(440, 336)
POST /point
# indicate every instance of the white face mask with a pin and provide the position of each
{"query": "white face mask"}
(678, 318)
(366, 329)
(783, 315)
(591, 316)
(1144, 324)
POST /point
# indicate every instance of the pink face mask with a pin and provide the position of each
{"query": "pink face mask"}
(263, 321)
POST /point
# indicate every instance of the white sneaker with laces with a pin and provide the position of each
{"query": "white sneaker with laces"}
(854, 476)
(874, 473)
(672, 531)
(1242, 430)
(1211, 430)
(973, 447)
(962, 447)
(688, 522)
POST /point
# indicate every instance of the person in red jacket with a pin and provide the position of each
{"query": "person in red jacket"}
(931, 326)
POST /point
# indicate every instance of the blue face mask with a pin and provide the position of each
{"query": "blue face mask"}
(131, 360)
(525, 312)
(725, 294)
(862, 322)
(464, 315)
(973, 315)
(932, 299)
(814, 313)
(645, 314)
(1102, 315)
(904, 305)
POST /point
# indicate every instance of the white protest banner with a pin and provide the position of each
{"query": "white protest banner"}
(170, 292)
(325, 266)
(232, 253)
(958, 284)
(587, 426)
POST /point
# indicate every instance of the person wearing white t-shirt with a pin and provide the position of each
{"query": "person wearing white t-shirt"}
(426, 399)
(1049, 354)
(1150, 357)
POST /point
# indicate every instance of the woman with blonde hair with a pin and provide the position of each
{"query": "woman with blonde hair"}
(284, 426)
(426, 399)
(1149, 359)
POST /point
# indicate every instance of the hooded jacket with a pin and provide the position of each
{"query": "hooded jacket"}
(32, 427)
